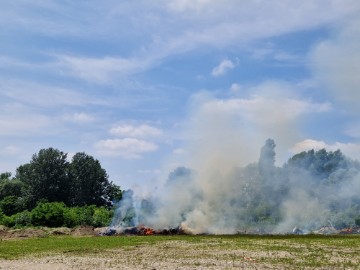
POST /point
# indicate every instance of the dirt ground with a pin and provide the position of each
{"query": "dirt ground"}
(169, 255)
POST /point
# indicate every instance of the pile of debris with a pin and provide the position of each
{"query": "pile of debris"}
(353, 230)
(329, 230)
(140, 230)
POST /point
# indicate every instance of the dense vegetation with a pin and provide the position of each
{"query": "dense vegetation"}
(51, 191)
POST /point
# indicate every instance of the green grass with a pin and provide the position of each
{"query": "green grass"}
(227, 252)
(13, 249)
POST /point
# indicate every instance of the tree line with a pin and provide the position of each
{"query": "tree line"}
(49, 181)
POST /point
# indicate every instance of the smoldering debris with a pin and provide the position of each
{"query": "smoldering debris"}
(140, 231)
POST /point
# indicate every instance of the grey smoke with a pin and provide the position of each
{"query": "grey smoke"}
(312, 190)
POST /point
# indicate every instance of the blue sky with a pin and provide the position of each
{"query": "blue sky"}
(145, 86)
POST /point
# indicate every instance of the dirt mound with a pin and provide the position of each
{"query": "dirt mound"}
(24, 233)
(83, 231)
(7, 233)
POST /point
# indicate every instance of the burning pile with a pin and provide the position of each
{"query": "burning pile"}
(141, 231)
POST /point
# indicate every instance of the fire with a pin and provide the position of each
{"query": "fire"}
(148, 231)
(142, 230)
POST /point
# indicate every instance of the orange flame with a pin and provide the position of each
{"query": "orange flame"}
(148, 231)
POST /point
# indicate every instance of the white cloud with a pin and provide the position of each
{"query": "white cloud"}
(235, 88)
(336, 63)
(351, 150)
(161, 29)
(224, 66)
(140, 131)
(307, 145)
(353, 130)
(179, 151)
(188, 5)
(79, 118)
(18, 120)
(100, 70)
(128, 148)
(45, 95)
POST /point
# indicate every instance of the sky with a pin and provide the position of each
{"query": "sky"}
(146, 86)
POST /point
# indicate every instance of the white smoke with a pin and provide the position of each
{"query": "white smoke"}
(234, 183)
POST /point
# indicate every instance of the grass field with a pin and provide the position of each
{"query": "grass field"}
(183, 252)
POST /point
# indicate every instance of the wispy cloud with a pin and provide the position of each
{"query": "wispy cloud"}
(224, 66)
(336, 63)
(128, 148)
(79, 118)
(131, 142)
(140, 131)
(99, 70)
(45, 95)
(18, 120)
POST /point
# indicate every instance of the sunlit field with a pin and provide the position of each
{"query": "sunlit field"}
(183, 252)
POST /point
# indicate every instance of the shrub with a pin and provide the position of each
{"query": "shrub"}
(23, 219)
(8, 221)
(49, 214)
(101, 217)
(56, 214)
(1, 217)
(76, 216)
(72, 217)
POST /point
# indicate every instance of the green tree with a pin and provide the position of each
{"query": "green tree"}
(11, 205)
(89, 181)
(11, 187)
(114, 193)
(46, 176)
(4, 176)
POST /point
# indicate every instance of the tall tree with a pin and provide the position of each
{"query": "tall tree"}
(89, 181)
(46, 176)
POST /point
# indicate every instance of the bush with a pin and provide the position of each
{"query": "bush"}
(101, 217)
(23, 219)
(72, 217)
(1, 217)
(56, 214)
(49, 214)
(86, 215)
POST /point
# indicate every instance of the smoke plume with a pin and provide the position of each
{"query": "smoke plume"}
(232, 181)
(312, 190)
